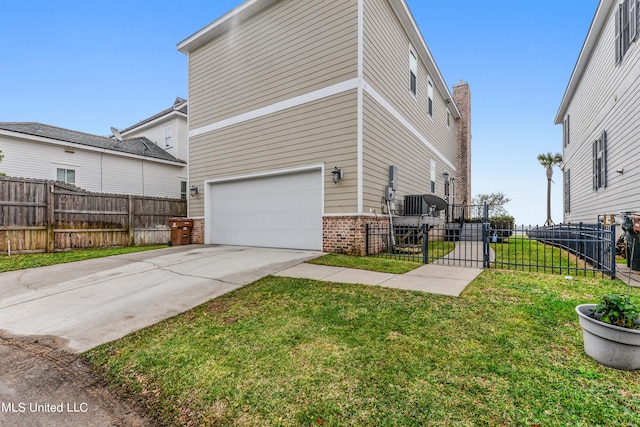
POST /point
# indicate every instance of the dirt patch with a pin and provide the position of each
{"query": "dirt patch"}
(41, 384)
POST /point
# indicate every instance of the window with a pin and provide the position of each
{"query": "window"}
(626, 26)
(565, 134)
(448, 119)
(167, 136)
(567, 191)
(433, 176)
(413, 71)
(600, 162)
(430, 98)
(67, 176)
(183, 190)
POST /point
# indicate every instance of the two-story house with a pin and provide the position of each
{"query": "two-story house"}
(95, 163)
(309, 119)
(600, 112)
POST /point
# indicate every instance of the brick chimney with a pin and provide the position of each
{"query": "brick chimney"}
(462, 99)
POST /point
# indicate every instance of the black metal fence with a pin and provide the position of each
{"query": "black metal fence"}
(564, 249)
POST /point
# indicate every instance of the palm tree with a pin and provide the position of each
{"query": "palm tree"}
(548, 161)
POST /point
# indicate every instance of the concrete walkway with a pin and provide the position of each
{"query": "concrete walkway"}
(431, 278)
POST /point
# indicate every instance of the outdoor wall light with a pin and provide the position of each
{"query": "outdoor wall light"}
(194, 190)
(338, 174)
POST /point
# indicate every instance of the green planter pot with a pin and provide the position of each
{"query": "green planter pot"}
(610, 345)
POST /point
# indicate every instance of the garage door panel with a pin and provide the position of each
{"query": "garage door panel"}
(276, 211)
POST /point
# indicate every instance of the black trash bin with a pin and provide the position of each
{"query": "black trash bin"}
(631, 226)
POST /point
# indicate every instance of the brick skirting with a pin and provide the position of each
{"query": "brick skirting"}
(347, 234)
(197, 232)
(340, 234)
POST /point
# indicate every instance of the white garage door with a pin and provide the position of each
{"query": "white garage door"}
(279, 211)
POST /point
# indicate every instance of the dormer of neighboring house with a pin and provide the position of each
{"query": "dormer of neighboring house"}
(167, 129)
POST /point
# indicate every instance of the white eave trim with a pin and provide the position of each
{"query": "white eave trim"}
(222, 24)
(165, 118)
(413, 31)
(595, 30)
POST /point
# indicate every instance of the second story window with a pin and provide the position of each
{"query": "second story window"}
(626, 26)
(413, 72)
(430, 98)
(168, 136)
(565, 135)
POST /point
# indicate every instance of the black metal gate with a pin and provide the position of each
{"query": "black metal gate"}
(484, 243)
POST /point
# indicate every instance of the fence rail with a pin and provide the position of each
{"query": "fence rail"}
(45, 216)
(566, 249)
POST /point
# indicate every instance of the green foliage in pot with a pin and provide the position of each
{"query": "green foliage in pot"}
(618, 310)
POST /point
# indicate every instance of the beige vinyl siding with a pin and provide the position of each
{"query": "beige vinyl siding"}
(288, 49)
(606, 99)
(386, 69)
(385, 143)
(323, 131)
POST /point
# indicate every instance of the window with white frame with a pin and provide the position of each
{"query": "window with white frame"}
(565, 134)
(65, 175)
(600, 162)
(433, 176)
(626, 26)
(168, 136)
(183, 190)
(413, 71)
(430, 98)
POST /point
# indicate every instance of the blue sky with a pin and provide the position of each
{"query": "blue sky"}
(87, 66)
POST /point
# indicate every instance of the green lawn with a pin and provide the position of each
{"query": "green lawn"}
(524, 254)
(294, 352)
(22, 261)
(383, 265)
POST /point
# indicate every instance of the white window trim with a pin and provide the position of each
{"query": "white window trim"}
(432, 183)
(429, 97)
(413, 70)
(168, 130)
(66, 168)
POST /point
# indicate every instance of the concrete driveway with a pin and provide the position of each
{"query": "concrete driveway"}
(91, 302)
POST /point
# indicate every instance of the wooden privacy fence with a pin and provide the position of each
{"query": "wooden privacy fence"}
(46, 216)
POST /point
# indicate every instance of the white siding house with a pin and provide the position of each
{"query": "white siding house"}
(95, 163)
(600, 115)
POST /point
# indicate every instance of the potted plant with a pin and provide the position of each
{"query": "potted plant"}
(611, 331)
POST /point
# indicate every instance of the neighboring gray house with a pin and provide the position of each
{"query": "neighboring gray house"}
(600, 115)
(94, 163)
(297, 111)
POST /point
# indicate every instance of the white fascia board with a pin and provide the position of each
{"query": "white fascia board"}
(222, 24)
(595, 30)
(34, 138)
(413, 31)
